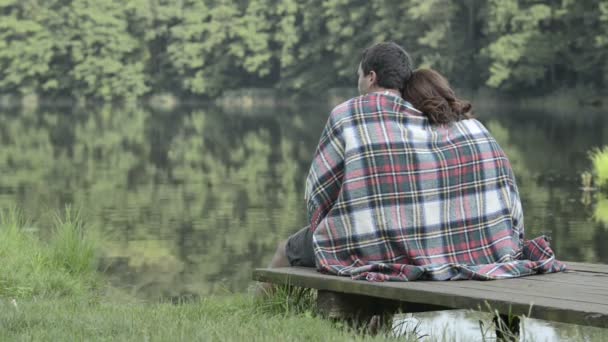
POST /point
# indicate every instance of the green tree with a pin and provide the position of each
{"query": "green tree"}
(449, 37)
(542, 44)
(110, 49)
(26, 47)
(96, 50)
(602, 37)
(69, 47)
(215, 43)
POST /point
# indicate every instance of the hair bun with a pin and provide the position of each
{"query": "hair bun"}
(431, 93)
(460, 108)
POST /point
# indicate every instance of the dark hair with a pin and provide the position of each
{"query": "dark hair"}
(390, 62)
(430, 92)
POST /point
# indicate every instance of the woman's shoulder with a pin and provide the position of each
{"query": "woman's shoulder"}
(472, 126)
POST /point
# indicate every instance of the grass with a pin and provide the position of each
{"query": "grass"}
(600, 213)
(50, 290)
(233, 318)
(65, 266)
(599, 160)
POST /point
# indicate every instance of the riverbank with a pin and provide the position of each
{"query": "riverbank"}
(52, 290)
(231, 318)
(257, 101)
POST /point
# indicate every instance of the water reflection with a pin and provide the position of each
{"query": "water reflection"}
(465, 325)
(188, 202)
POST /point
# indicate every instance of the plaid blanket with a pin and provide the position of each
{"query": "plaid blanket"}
(392, 197)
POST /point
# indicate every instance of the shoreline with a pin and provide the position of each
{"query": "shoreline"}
(255, 99)
(53, 289)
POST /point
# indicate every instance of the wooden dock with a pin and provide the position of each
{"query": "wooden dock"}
(578, 296)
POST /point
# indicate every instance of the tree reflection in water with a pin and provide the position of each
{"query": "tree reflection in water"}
(188, 202)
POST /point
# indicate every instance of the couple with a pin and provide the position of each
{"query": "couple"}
(406, 185)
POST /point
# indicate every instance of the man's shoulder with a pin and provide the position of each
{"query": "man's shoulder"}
(373, 103)
(345, 109)
(346, 106)
(357, 104)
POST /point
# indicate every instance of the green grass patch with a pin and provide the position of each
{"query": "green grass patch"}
(599, 160)
(231, 318)
(600, 213)
(31, 268)
(50, 290)
(286, 300)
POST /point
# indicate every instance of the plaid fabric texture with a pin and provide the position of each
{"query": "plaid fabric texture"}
(392, 197)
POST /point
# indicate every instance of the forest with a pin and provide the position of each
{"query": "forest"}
(111, 50)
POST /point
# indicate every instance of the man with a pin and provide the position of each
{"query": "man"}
(391, 196)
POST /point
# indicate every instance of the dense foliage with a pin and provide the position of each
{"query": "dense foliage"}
(110, 49)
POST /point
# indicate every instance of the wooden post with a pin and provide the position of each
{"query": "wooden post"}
(360, 312)
(507, 327)
(370, 314)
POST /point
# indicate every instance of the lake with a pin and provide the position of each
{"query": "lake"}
(186, 202)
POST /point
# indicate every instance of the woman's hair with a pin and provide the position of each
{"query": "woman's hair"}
(428, 91)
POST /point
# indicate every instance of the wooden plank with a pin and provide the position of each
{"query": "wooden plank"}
(559, 288)
(456, 294)
(586, 267)
(547, 290)
(464, 288)
(583, 280)
(558, 283)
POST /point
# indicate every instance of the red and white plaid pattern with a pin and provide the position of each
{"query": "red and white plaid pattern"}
(392, 197)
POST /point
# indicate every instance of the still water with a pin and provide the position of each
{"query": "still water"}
(186, 202)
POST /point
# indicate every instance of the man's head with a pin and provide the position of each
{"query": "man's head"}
(384, 66)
